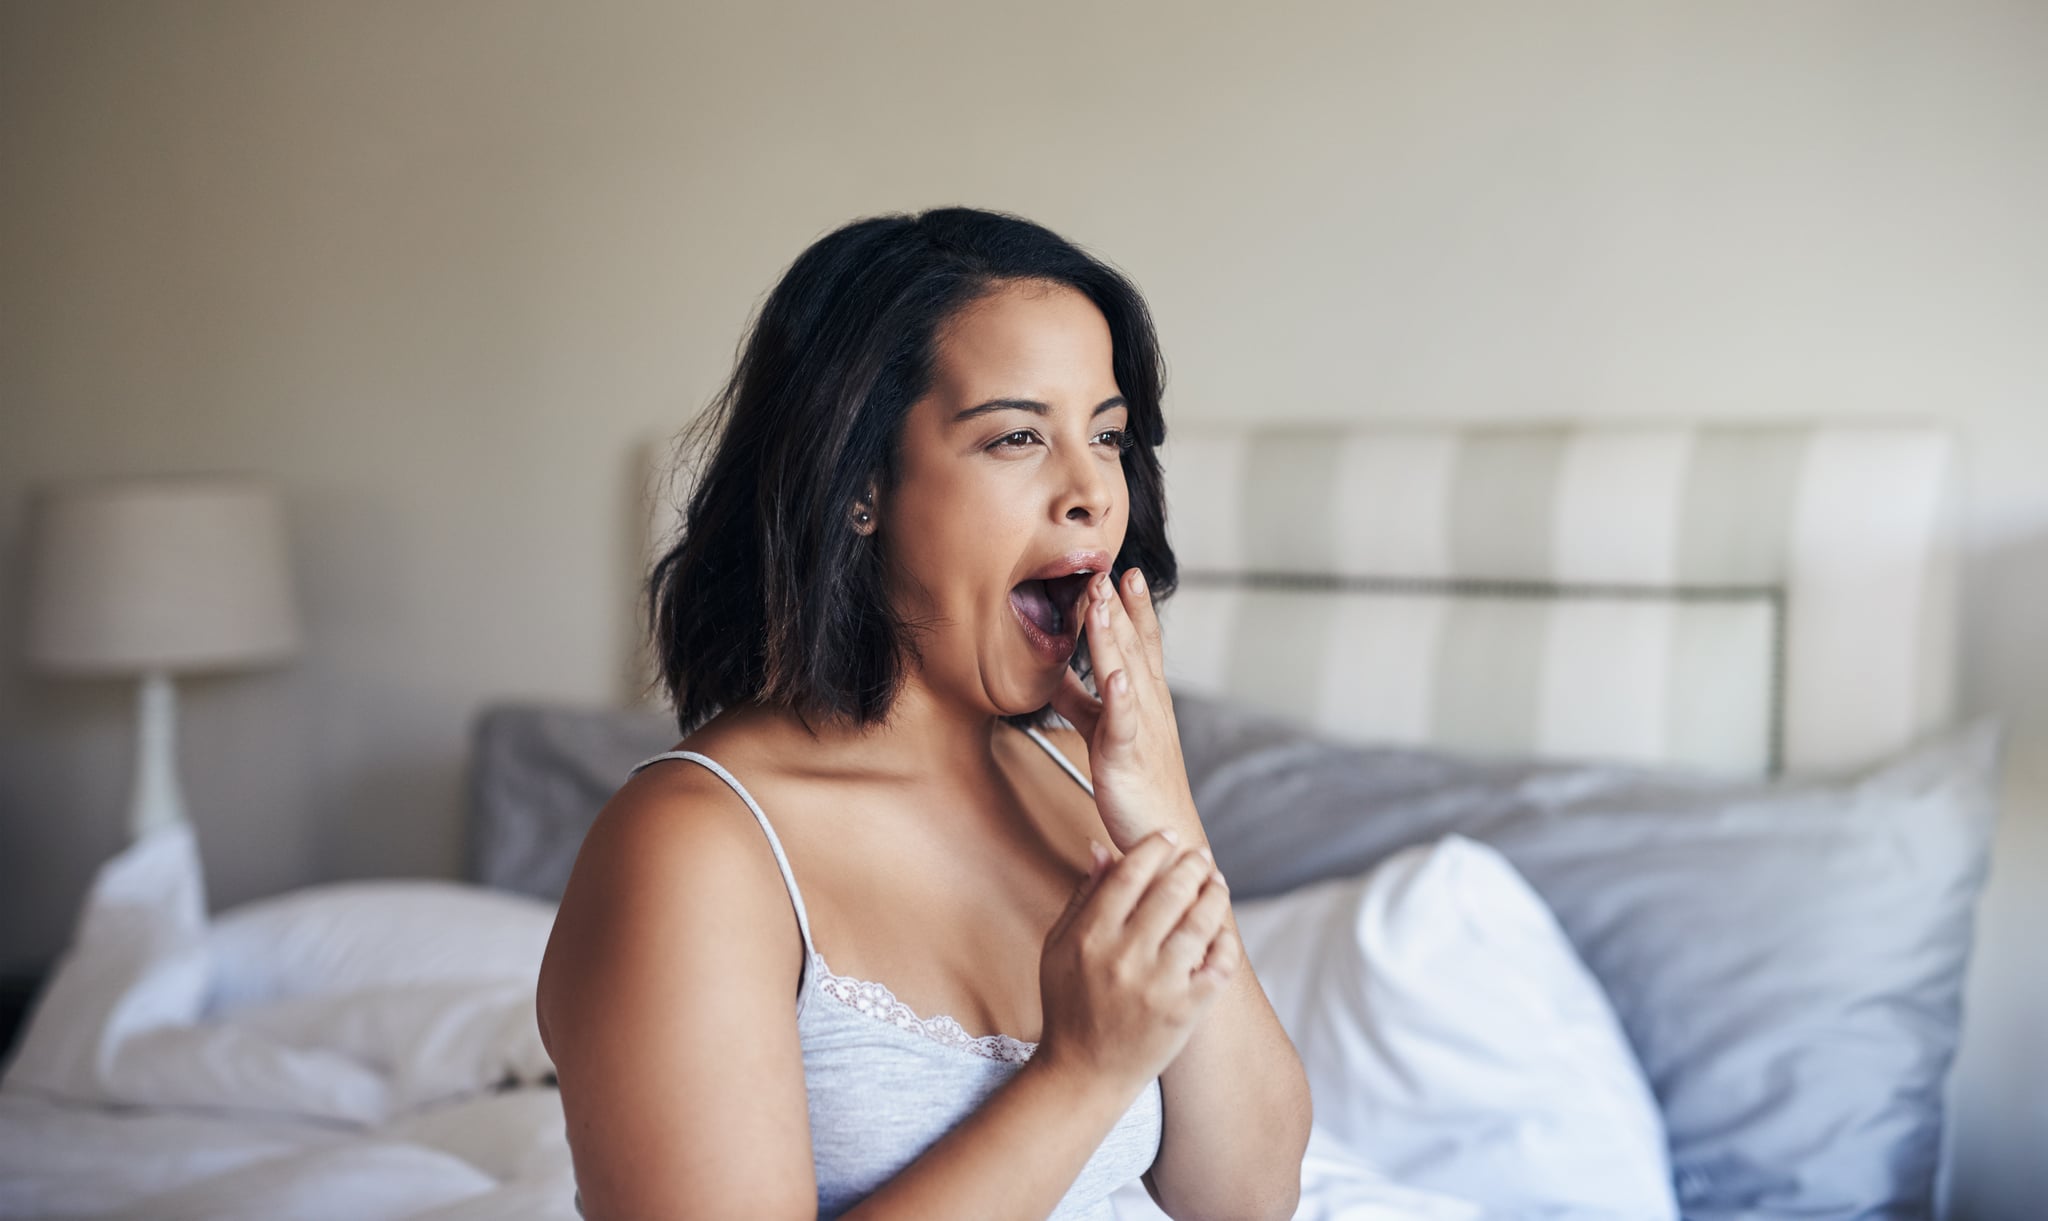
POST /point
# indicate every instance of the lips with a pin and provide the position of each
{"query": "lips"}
(1046, 602)
(1049, 604)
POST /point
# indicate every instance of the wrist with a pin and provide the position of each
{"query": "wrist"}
(1187, 829)
(1082, 1085)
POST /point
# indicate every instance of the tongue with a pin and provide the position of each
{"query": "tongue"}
(1032, 599)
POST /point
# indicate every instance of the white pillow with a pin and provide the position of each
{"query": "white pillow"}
(1453, 1039)
(119, 1021)
(346, 1001)
(385, 933)
(136, 964)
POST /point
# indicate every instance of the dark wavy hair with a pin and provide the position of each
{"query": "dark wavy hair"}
(768, 595)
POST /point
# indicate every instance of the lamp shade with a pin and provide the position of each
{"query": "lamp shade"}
(166, 573)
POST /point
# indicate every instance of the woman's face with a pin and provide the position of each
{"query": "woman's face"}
(1010, 479)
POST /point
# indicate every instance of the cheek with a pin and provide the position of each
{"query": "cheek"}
(1117, 526)
(957, 538)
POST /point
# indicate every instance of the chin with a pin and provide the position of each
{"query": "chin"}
(1021, 705)
(1023, 698)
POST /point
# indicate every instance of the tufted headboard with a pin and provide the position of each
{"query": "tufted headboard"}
(1745, 599)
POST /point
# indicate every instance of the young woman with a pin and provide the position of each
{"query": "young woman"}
(932, 506)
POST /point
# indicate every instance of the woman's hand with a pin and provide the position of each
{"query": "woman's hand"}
(1140, 778)
(1140, 954)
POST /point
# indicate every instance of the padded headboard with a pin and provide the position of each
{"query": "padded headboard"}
(538, 775)
(1745, 599)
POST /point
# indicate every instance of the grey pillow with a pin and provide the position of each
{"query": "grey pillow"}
(538, 775)
(1786, 957)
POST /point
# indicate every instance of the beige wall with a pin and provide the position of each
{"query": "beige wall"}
(441, 267)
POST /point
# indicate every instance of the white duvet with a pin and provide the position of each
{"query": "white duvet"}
(368, 1050)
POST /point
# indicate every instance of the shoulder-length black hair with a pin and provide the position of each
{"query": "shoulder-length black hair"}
(769, 595)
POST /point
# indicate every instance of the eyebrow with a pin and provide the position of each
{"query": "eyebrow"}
(1033, 406)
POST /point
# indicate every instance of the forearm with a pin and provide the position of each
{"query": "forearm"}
(1016, 1155)
(1237, 1109)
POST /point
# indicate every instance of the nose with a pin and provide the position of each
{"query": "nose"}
(1088, 487)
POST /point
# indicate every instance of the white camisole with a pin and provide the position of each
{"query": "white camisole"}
(885, 1083)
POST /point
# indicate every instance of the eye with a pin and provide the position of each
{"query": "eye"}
(1121, 438)
(1011, 440)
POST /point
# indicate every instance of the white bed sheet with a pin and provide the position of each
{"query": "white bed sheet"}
(494, 1157)
(392, 1091)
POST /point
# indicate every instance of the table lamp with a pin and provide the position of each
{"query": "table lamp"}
(153, 576)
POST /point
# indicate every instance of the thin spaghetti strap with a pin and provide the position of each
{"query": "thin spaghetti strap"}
(796, 898)
(1061, 759)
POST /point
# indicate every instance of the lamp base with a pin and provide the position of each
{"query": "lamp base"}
(155, 800)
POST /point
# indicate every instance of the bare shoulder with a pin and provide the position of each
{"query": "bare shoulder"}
(672, 822)
(681, 1099)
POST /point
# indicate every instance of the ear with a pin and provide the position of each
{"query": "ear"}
(865, 514)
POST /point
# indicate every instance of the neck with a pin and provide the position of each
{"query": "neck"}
(924, 738)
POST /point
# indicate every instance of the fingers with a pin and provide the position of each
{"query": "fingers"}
(1118, 621)
(1226, 958)
(1189, 943)
(1119, 719)
(1117, 894)
(1110, 620)
(1167, 901)
(1079, 896)
(1073, 702)
(1113, 666)
(1103, 651)
(1130, 632)
(1128, 668)
(1145, 618)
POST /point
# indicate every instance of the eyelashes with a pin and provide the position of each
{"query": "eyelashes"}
(1120, 438)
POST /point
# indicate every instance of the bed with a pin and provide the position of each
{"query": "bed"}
(1592, 798)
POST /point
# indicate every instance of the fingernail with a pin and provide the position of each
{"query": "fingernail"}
(1169, 836)
(1137, 581)
(1096, 850)
(1204, 853)
(1122, 684)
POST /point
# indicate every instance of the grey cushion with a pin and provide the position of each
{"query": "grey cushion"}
(538, 775)
(1787, 958)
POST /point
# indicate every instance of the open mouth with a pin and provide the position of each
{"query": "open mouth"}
(1049, 604)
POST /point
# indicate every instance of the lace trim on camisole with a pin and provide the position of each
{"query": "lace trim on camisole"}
(863, 995)
(876, 1001)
